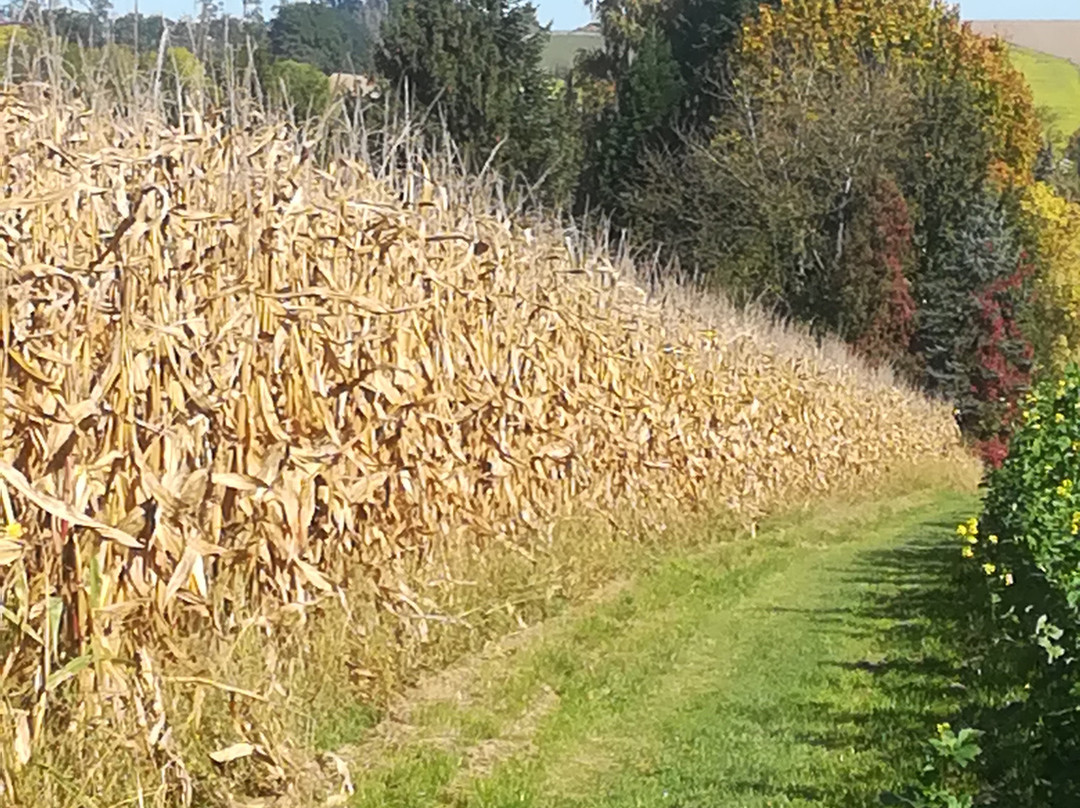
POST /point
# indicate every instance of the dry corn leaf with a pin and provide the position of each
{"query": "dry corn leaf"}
(59, 509)
(231, 753)
(11, 550)
(316, 383)
(22, 737)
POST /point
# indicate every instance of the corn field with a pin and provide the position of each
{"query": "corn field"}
(236, 381)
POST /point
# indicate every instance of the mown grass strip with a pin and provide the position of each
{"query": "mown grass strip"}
(803, 667)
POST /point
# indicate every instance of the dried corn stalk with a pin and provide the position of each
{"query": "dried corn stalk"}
(232, 376)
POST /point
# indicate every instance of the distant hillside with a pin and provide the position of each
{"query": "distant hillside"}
(1056, 37)
(1059, 38)
(1055, 83)
(563, 45)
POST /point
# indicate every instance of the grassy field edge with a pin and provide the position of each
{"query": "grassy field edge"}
(495, 729)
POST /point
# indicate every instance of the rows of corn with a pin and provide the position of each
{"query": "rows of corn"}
(237, 382)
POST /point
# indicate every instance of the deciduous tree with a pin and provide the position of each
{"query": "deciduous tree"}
(332, 39)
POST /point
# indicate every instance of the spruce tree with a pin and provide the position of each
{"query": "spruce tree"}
(479, 63)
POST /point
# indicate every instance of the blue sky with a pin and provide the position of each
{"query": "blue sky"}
(573, 13)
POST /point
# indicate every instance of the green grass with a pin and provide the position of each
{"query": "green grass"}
(803, 667)
(1055, 83)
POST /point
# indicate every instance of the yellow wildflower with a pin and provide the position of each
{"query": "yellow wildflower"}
(1059, 418)
(992, 538)
(961, 530)
(13, 530)
(973, 525)
(943, 727)
(967, 552)
(989, 568)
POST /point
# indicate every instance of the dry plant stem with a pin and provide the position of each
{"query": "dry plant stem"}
(202, 680)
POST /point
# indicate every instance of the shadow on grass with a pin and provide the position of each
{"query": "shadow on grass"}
(916, 621)
(932, 615)
(929, 623)
(916, 611)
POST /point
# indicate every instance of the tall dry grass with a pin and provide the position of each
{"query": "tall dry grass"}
(242, 386)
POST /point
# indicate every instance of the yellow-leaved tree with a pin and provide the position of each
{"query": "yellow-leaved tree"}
(1053, 225)
(926, 39)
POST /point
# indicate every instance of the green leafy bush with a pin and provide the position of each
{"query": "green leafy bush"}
(1032, 509)
(111, 65)
(1026, 547)
(943, 783)
(184, 66)
(302, 86)
(18, 46)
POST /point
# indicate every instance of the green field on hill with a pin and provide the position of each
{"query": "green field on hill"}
(561, 48)
(1056, 85)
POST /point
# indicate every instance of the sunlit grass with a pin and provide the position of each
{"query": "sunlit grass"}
(745, 673)
(1055, 83)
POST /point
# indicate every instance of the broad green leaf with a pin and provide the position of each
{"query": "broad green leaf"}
(58, 677)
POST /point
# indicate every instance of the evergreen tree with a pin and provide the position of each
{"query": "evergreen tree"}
(479, 61)
(970, 297)
(669, 66)
(651, 89)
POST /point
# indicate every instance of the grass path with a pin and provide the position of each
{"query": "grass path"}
(803, 667)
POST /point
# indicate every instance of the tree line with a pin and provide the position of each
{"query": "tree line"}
(876, 170)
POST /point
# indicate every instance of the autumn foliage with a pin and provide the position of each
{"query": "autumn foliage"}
(1054, 227)
(884, 256)
(926, 39)
(865, 175)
